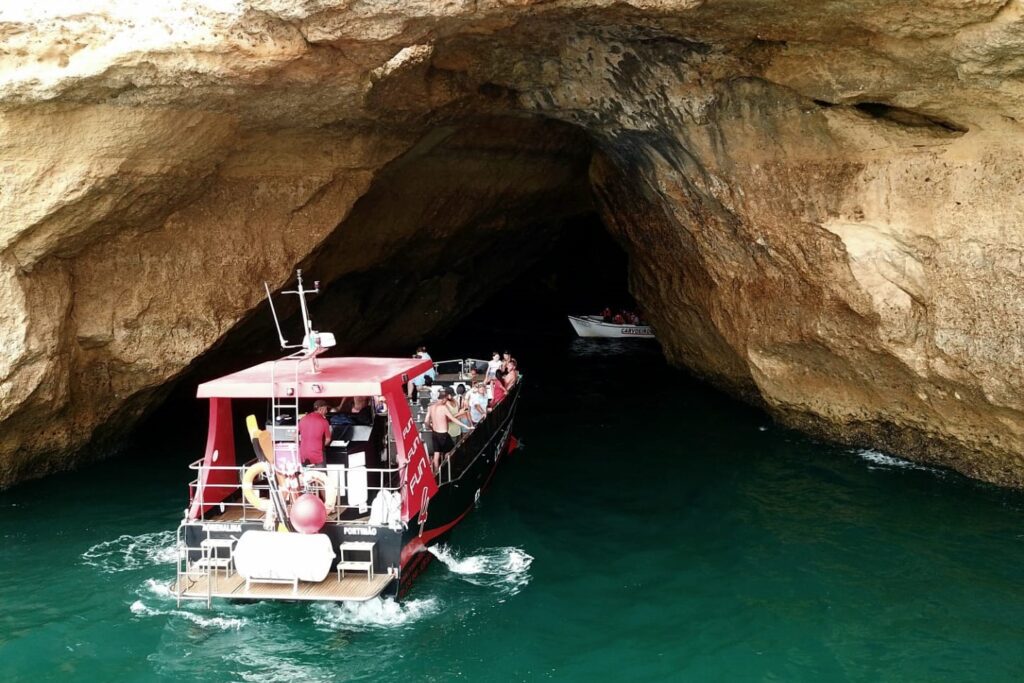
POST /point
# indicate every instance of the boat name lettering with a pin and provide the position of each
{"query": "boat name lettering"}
(222, 527)
(361, 530)
(636, 330)
(417, 476)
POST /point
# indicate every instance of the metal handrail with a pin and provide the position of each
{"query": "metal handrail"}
(464, 365)
(390, 480)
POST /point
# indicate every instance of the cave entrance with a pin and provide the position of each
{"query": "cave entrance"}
(483, 236)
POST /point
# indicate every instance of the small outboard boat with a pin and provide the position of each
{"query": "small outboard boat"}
(595, 326)
(261, 524)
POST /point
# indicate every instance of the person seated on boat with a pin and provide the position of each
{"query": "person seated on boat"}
(438, 419)
(493, 365)
(618, 319)
(477, 403)
(505, 358)
(314, 434)
(606, 314)
(361, 411)
(511, 374)
(421, 352)
(498, 388)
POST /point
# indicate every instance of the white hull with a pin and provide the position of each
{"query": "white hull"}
(594, 326)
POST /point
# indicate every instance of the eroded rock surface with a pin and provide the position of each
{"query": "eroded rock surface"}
(819, 200)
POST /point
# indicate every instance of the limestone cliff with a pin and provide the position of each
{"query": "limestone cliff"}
(819, 200)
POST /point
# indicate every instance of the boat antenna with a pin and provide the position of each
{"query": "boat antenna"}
(313, 343)
(273, 312)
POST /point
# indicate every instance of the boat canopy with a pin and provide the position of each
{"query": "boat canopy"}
(336, 377)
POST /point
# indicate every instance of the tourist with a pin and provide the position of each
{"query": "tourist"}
(458, 413)
(498, 388)
(512, 374)
(493, 365)
(438, 419)
(606, 314)
(618, 319)
(361, 411)
(421, 353)
(314, 434)
(477, 403)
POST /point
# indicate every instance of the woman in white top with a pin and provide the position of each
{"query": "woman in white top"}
(493, 365)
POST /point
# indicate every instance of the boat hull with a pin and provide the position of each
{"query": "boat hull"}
(474, 463)
(594, 327)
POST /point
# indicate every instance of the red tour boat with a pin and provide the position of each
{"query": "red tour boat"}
(261, 524)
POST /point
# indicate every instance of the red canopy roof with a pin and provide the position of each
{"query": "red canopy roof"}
(337, 377)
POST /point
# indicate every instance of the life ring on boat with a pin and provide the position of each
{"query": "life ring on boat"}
(251, 494)
(328, 483)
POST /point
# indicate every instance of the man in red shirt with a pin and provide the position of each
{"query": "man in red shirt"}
(314, 434)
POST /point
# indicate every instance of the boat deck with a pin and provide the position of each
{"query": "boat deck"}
(354, 586)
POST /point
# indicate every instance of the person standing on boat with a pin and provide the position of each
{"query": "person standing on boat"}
(477, 404)
(511, 374)
(314, 434)
(421, 352)
(498, 388)
(493, 365)
(438, 419)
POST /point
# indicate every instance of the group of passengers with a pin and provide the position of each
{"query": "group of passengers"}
(623, 317)
(457, 409)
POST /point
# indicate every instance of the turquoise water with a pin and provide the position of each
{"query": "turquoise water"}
(650, 530)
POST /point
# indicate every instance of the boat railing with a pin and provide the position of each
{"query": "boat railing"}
(457, 366)
(222, 497)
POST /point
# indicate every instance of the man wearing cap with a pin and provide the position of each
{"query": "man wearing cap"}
(314, 434)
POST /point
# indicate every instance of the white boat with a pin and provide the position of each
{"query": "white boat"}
(595, 326)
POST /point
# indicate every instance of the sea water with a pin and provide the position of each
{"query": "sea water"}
(649, 530)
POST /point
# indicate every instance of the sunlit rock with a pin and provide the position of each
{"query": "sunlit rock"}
(820, 201)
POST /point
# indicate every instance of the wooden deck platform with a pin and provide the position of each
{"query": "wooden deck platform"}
(354, 586)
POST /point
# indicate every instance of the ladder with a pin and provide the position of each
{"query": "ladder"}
(284, 410)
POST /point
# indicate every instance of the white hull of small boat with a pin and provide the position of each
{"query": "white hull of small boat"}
(594, 326)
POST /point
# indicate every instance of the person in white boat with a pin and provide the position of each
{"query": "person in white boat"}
(477, 403)
(438, 419)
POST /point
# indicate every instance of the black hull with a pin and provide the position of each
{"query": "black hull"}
(473, 464)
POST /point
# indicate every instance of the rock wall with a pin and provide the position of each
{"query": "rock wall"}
(819, 200)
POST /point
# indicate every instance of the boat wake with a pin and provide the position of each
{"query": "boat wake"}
(881, 460)
(161, 590)
(506, 568)
(372, 614)
(127, 552)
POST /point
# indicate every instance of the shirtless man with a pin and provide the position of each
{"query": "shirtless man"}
(437, 421)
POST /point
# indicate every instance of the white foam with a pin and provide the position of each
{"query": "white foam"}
(882, 460)
(506, 568)
(141, 609)
(372, 614)
(127, 552)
